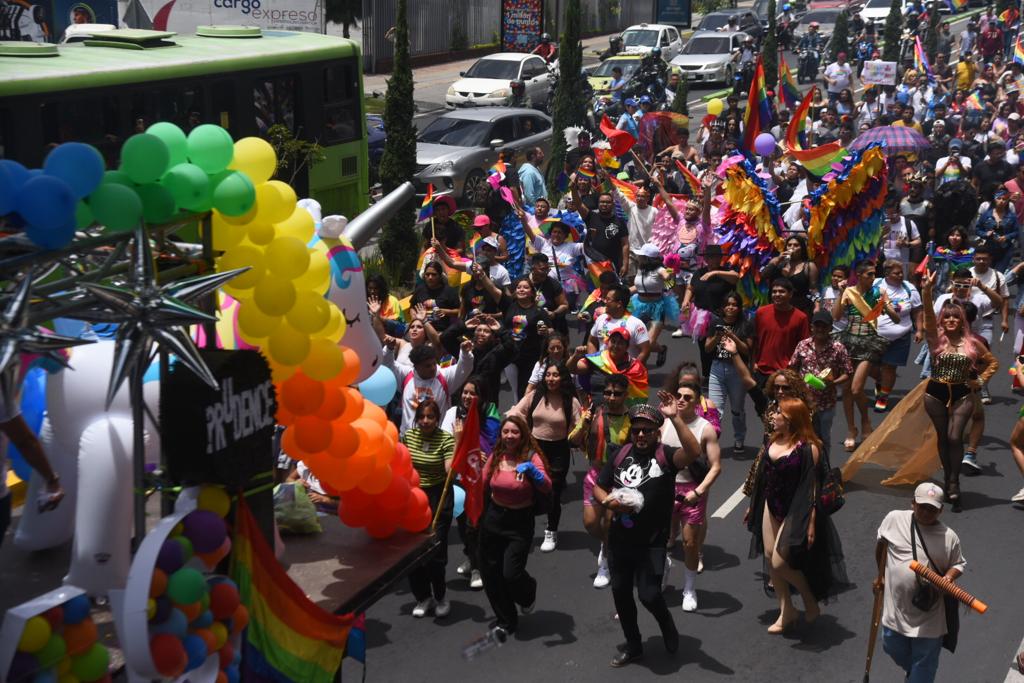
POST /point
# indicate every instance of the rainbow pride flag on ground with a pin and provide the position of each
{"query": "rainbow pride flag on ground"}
(759, 116)
(817, 160)
(427, 207)
(289, 637)
(789, 93)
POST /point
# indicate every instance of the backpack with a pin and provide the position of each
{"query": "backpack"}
(439, 377)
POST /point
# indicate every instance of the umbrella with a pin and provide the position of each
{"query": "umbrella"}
(895, 139)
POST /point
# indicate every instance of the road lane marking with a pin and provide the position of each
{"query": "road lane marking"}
(729, 505)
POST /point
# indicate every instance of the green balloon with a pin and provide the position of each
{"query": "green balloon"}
(190, 186)
(117, 178)
(186, 586)
(234, 195)
(92, 665)
(54, 651)
(116, 206)
(158, 204)
(174, 138)
(144, 158)
(83, 215)
(210, 148)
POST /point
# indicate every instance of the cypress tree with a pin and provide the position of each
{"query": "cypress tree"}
(679, 104)
(892, 32)
(840, 36)
(570, 105)
(770, 50)
(399, 161)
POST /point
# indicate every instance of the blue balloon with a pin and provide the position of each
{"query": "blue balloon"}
(195, 648)
(12, 176)
(76, 609)
(379, 388)
(47, 203)
(77, 164)
(232, 673)
(460, 500)
(33, 405)
(51, 238)
(175, 625)
(46, 676)
(203, 620)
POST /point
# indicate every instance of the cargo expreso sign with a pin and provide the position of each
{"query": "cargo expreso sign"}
(184, 16)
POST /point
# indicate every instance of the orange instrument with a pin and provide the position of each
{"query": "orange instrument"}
(948, 587)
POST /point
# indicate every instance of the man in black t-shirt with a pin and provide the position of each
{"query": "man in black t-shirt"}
(552, 294)
(992, 172)
(607, 237)
(636, 539)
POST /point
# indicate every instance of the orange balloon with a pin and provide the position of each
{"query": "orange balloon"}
(208, 638)
(157, 584)
(221, 677)
(80, 637)
(302, 395)
(325, 468)
(353, 470)
(377, 481)
(312, 434)
(192, 610)
(240, 619)
(351, 370)
(375, 413)
(344, 440)
(370, 433)
(391, 431)
(283, 416)
(353, 405)
(291, 447)
(333, 405)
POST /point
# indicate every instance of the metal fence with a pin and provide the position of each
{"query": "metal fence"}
(441, 26)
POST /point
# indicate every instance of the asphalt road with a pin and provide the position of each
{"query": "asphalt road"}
(572, 635)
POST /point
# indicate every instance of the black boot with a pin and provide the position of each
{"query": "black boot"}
(953, 494)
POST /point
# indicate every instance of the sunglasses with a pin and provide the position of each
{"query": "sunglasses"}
(687, 397)
(643, 430)
(608, 392)
(957, 285)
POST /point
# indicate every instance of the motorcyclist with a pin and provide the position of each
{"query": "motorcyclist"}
(913, 20)
(614, 48)
(811, 45)
(653, 63)
(545, 48)
(748, 53)
(732, 26)
(785, 23)
(519, 97)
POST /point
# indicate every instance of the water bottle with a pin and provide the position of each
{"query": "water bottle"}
(495, 637)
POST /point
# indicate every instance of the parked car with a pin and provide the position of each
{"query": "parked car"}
(710, 56)
(826, 19)
(875, 12)
(489, 81)
(641, 38)
(719, 19)
(601, 76)
(454, 151)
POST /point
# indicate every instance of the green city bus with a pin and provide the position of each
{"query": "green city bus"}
(117, 83)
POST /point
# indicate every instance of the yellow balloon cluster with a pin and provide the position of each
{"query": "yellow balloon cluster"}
(282, 306)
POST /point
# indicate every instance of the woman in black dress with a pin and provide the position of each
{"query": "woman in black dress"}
(527, 323)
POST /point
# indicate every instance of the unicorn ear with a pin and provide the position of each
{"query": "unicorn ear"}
(332, 226)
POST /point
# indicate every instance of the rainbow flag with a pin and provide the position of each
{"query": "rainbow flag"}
(289, 637)
(956, 5)
(759, 115)
(817, 160)
(973, 101)
(789, 92)
(499, 167)
(1007, 16)
(1018, 50)
(691, 179)
(586, 172)
(627, 190)
(635, 372)
(594, 270)
(921, 60)
(605, 157)
(427, 207)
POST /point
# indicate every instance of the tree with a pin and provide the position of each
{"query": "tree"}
(931, 41)
(344, 12)
(770, 50)
(892, 32)
(399, 161)
(679, 104)
(840, 36)
(570, 105)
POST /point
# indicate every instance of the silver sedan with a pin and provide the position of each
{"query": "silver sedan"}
(454, 151)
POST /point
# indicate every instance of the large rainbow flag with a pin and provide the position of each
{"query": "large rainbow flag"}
(759, 115)
(1018, 50)
(789, 92)
(289, 637)
(817, 160)
(921, 60)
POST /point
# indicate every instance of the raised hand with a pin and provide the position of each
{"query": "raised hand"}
(373, 304)
(669, 407)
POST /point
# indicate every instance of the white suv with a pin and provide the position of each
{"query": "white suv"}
(641, 38)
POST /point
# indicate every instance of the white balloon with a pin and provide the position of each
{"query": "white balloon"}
(348, 292)
(101, 554)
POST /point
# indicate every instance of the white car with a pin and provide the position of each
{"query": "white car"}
(875, 12)
(488, 83)
(641, 38)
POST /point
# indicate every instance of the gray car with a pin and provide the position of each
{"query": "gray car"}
(455, 150)
(710, 56)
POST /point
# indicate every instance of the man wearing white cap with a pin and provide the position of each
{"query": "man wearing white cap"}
(914, 614)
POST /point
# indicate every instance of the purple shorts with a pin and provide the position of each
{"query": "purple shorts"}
(589, 482)
(690, 514)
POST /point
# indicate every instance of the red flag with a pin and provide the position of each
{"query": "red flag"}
(620, 140)
(922, 268)
(468, 463)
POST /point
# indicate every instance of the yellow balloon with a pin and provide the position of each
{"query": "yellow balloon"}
(240, 256)
(215, 499)
(245, 218)
(325, 360)
(278, 372)
(287, 257)
(220, 633)
(274, 295)
(261, 233)
(254, 323)
(288, 346)
(299, 225)
(275, 201)
(335, 329)
(318, 275)
(225, 235)
(150, 608)
(255, 158)
(35, 634)
(715, 106)
(311, 312)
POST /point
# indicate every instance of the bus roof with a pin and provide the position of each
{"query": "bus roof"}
(81, 66)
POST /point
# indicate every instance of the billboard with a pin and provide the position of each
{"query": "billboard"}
(45, 20)
(183, 16)
(522, 22)
(674, 12)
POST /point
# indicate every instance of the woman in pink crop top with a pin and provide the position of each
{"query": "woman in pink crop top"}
(514, 474)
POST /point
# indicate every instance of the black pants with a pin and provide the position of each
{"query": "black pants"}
(428, 578)
(643, 567)
(505, 539)
(524, 365)
(470, 540)
(559, 456)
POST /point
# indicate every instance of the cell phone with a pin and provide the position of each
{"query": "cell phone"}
(719, 329)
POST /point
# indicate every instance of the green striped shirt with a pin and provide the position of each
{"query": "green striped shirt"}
(428, 454)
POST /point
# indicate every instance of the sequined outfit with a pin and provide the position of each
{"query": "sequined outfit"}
(861, 337)
(950, 372)
(782, 476)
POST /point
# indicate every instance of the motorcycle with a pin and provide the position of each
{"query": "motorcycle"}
(785, 35)
(742, 78)
(807, 66)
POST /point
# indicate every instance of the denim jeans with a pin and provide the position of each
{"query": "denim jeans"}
(919, 657)
(822, 423)
(723, 381)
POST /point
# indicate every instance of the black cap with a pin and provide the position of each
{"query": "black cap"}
(822, 317)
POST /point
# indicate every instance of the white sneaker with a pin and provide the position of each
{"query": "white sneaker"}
(1019, 497)
(527, 609)
(550, 541)
(668, 568)
(476, 582)
(422, 607)
(603, 577)
(689, 602)
(444, 608)
(700, 563)
(677, 334)
(463, 569)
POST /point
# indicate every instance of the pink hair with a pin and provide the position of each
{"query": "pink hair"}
(974, 346)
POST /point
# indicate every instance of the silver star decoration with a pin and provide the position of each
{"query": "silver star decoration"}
(17, 336)
(149, 313)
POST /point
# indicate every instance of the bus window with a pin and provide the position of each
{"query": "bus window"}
(274, 102)
(182, 106)
(92, 120)
(341, 104)
(223, 103)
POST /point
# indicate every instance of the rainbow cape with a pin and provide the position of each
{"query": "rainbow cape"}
(1018, 50)
(817, 160)
(289, 637)
(921, 60)
(691, 180)
(758, 116)
(635, 373)
(789, 92)
(427, 207)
